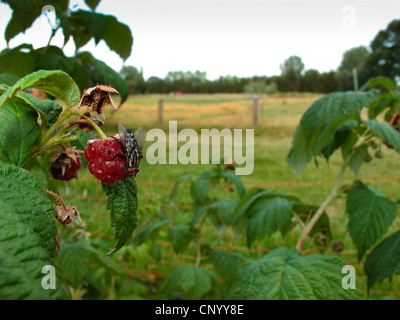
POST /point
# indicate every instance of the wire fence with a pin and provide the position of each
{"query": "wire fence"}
(96, 202)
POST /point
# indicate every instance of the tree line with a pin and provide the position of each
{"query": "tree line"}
(358, 64)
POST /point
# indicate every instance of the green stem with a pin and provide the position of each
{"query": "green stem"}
(95, 126)
(298, 219)
(45, 149)
(66, 138)
(199, 240)
(332, 195)
(58, 138)
(47, 139)
(61, 118)
(55, 139)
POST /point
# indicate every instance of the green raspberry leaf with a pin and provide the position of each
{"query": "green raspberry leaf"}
(52, 110)
(316, 133)
(284, 274)
(123, 205)
(384, 261)
(299, 156)
(370, 217)
(358, 158)
(25, 13)
(180, 236)
(49, 110)
(56, 83)
(194, 282)
(385, 132)
(174, 190)
(17, 62)
(221, 211)
(254, 195)
(201, 186)
(92, 4)
(150, 231)
(118, 37)
(27, 237)
(267, 216)
(74, 262)
(333, 107)
(235, 179)
(226, 264)
(19, 131)
(378, 81)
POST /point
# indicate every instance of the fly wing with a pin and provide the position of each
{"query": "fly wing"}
(122, 135)
(139, 135)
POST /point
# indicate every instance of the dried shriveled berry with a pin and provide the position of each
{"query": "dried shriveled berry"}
(337, 246)
(65, 164)
(97, 97)
(65, 214)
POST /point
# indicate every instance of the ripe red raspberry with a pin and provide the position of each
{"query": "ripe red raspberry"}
(65, 164)
(106, 160)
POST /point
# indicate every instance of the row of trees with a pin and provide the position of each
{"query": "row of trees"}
(358, 65)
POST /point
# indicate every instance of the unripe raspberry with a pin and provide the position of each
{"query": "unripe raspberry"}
(65, 164)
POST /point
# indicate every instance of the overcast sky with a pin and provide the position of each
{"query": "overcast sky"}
(221, 37)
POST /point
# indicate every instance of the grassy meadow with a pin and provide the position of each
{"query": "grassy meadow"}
(278, 118)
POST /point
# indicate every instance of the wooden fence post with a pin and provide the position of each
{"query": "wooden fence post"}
(255, 111)
(160, 110)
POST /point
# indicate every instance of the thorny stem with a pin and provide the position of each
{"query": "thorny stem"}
(363, 138)
(56, 196)
(332, 195)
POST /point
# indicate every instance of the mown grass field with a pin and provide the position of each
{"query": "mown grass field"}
(278, 118)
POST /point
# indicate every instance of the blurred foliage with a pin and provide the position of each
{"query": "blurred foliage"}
(261, 87)
(385, 56)
(80, 26)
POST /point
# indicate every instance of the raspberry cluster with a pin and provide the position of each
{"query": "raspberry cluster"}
(106, 160)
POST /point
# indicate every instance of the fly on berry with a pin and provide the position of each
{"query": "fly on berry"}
(132, 144)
